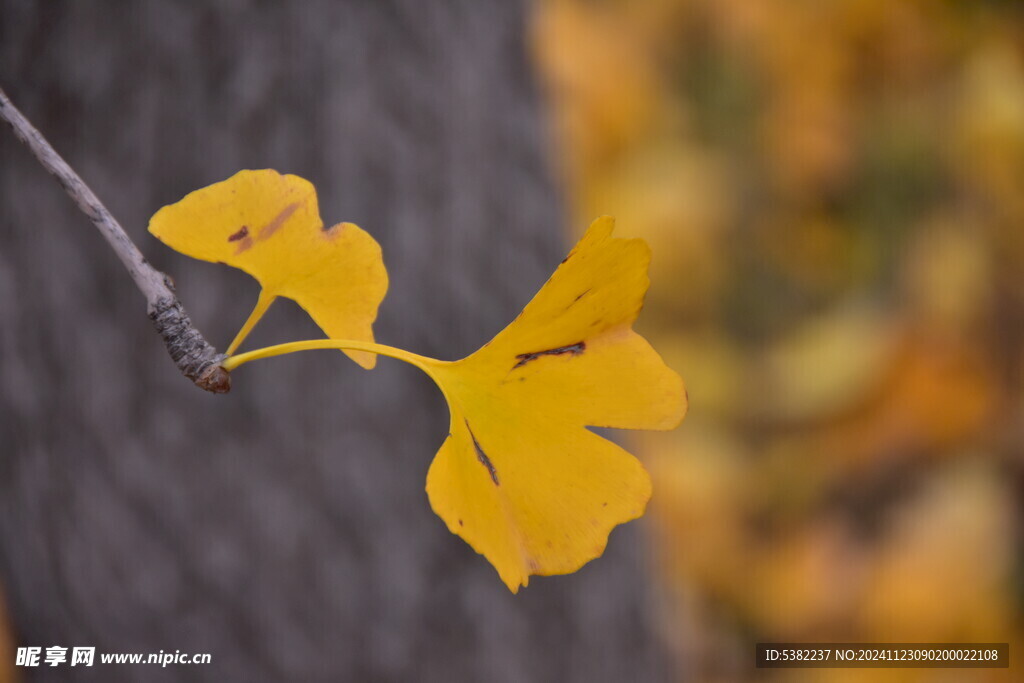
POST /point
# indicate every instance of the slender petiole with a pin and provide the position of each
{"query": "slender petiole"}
(421, 362)
(262, 304)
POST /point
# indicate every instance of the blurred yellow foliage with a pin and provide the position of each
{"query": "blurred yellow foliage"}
(834, 194)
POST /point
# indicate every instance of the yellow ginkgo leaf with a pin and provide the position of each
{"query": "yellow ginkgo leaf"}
(520, 477)
(269, 225)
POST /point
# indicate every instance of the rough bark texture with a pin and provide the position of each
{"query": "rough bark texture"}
(282, 527)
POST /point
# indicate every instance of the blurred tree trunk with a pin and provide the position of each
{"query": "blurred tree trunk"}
(282, 528)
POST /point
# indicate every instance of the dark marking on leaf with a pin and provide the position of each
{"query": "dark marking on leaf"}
(244, 244)
(272, 227)
(575, 349)
(604, 505)
(460, 523)
(482, 457)
(578, 297)
(242, 232)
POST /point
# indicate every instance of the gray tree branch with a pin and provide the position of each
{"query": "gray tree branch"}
(194, 356)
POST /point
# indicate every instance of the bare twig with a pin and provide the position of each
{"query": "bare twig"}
(194, 356)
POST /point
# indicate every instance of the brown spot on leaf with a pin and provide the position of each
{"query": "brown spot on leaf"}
(482, 457)
(578, 297)
(273, 226)
(575, 349)
(245, 240)
(460, 523)
(244, 245)
(242, 232)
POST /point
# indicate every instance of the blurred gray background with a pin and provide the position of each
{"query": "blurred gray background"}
(282, 528)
